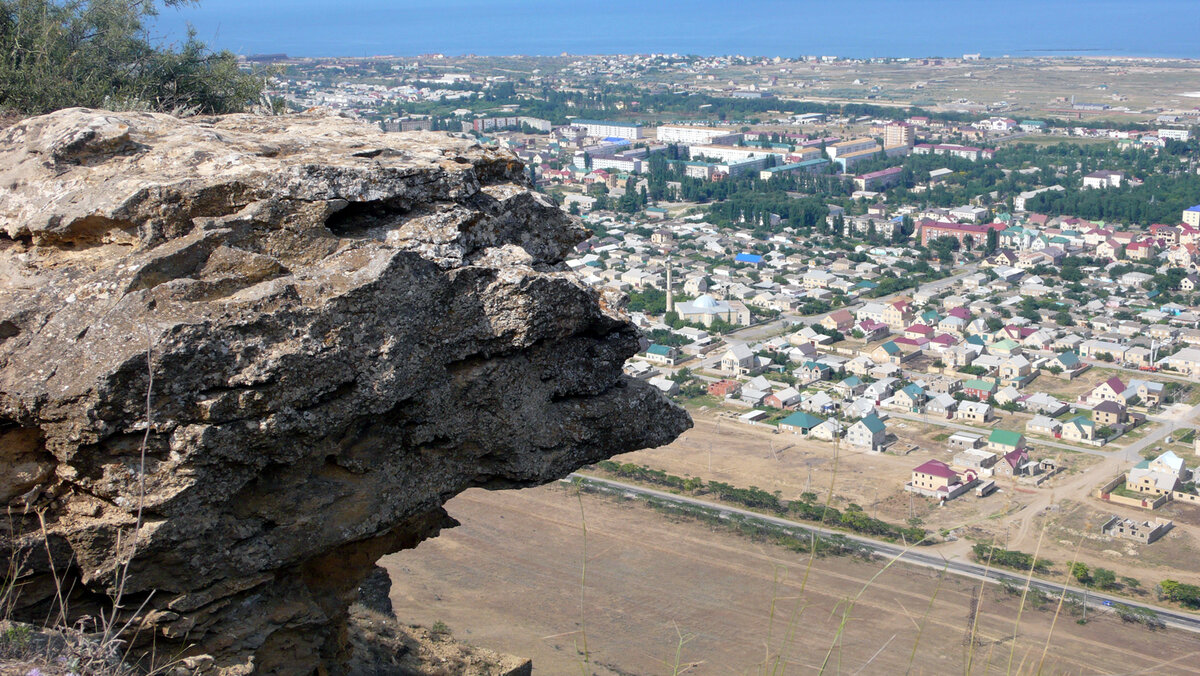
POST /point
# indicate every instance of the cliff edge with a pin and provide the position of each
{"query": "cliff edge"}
(339, 330)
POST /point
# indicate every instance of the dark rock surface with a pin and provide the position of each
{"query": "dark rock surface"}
(339, 329)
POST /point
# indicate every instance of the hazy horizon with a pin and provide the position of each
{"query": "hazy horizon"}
(865, 29)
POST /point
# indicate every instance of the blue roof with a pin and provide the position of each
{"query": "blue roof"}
(663, 350)
(1193, 208)
(748, 258)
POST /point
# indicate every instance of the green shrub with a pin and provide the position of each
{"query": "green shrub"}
(95, 53)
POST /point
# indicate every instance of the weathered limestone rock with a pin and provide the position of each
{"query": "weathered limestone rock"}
(340, 330)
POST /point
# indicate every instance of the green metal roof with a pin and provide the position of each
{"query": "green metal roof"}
(1004, 437)
(804, 421)
(873, 423)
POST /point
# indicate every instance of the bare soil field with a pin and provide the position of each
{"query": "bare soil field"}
(1029, 86)
(512, 578)
(1068, 391)
(1077, 524)
(720, 449)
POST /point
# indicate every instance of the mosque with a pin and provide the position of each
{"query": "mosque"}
(705, 309)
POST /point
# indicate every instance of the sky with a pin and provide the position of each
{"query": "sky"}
(853, 28)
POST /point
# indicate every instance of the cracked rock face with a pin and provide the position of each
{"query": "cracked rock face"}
(339, 330)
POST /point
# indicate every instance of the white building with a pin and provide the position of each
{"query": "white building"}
(609, 129)
(689, 135)
(857, 145)
(1103, 179)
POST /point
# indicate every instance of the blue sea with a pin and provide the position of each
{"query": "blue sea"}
(848, 28)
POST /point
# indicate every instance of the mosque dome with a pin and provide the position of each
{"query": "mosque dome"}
(705, 301)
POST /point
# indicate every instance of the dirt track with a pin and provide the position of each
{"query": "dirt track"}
(509, 579)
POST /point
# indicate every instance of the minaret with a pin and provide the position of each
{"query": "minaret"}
(670, 293)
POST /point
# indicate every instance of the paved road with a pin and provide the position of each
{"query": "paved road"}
(759, 332)
(1011, 137)
(934, 420)
(1149, 375)
(920, 557)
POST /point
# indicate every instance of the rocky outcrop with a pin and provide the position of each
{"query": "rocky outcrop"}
(241, 358)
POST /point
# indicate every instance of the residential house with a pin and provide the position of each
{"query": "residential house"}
(1006, 395)
(897, 314)
(820, 402)
(1068, 362)
(1015, 370)
(960, 441)
(870, 311)
(1041, 424)
(1150, 393)
(1186, 361)
(1079, 429)
(1109, 390)
(859, 366)
(942, 405)
(812, 371)
(880, 389)
(933, 478)
(1158, 476)
(1044, 404)
(979, 389)
(890, 352)
(851, 386)
(976, 412)
(738, 360)
(975, 461)
(838, 320)
(799, 423)
(869, 432)
(910, 397)
(662, 354)
(829, 430)
(1108, 413)
(1005, 441)
(1015, 463)
(944, 385)
(785, 398)
(871, 330)
(724, 388)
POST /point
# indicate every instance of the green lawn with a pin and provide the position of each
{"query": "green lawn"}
(1126, 493)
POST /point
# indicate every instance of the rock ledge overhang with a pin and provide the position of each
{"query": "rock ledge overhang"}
(345, 329)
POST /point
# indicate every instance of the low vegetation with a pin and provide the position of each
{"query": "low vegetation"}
(796, 539)
(1186, 595)
(804, 508)
(1009, 558)
(58, 54)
